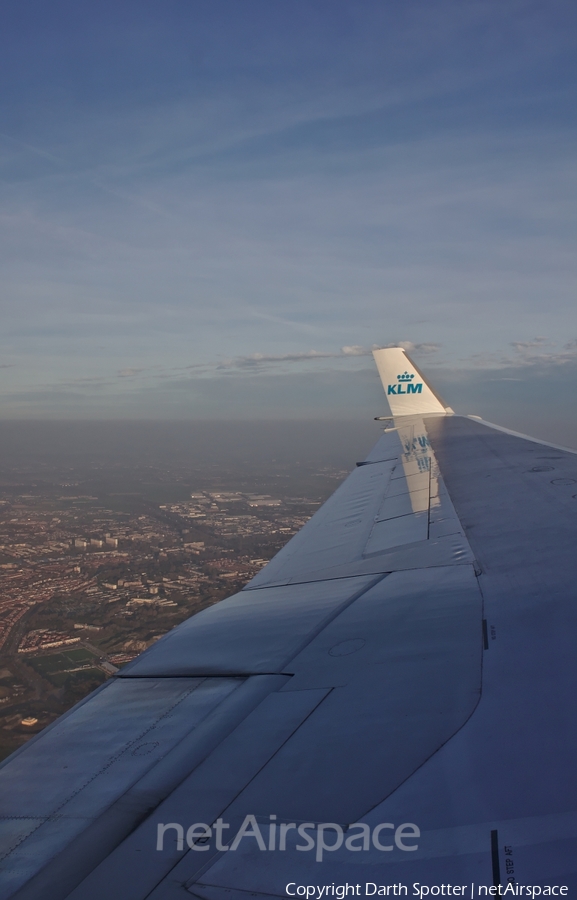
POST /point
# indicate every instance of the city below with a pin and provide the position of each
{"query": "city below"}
(92, 576)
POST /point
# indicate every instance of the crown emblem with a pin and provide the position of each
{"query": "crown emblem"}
(405, 377)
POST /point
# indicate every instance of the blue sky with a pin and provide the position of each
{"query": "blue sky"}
(203, 203)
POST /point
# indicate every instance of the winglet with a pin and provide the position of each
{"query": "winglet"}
(407, 392)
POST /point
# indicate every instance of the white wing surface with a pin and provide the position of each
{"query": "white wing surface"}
(390, 702)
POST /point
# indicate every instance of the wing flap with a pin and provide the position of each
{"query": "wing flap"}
(368, 700)
(396, 531)
(404, 662)
(253, 632)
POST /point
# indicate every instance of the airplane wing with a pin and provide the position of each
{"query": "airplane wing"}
(389, 703)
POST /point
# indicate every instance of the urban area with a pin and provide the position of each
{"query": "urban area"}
(92, 577)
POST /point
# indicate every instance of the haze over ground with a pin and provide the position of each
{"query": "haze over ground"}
(214, 210)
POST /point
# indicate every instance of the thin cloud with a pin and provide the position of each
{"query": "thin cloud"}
(538, 353)
(527, 346)
(202, 366)
(355, 350)
(542, 351)
(129, 373)
(256, 360)
(409, 346)
(95, 379)
(37, 150)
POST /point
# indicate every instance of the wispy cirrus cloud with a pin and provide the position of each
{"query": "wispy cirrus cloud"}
(539, 353)
(410, 347)
(257, 360)
(130, 372)
(542, 351)
(529, 346)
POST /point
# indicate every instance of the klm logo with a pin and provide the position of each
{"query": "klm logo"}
(405, 385)
(418, 445)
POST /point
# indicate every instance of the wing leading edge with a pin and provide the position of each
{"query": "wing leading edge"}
(406, 658)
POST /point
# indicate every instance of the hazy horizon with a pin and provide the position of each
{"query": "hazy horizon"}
(539, 401)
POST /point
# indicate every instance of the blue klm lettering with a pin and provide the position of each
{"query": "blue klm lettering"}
(398, 389)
